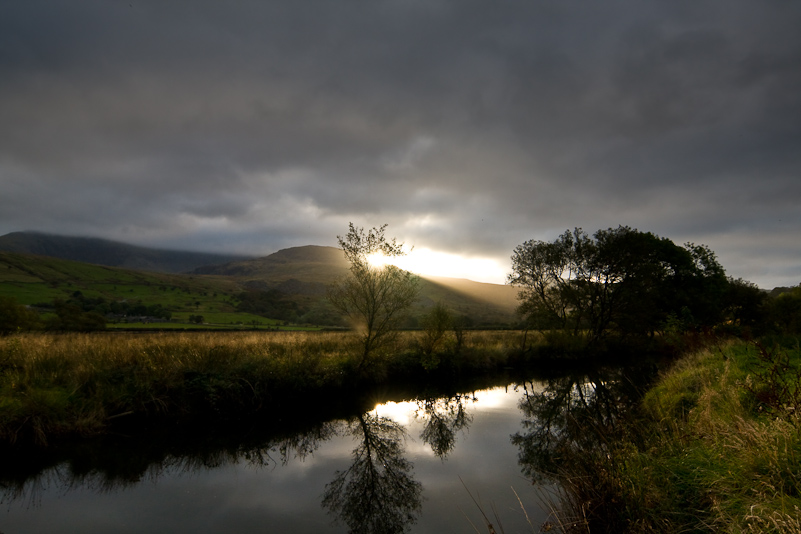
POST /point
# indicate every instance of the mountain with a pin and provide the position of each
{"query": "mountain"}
(301, 274)
(308, 270)
(310, 263)
(110, 253)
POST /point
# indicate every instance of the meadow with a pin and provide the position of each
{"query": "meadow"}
(189, 302)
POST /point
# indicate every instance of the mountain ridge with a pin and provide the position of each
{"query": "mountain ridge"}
(111, 253)
(305, 263)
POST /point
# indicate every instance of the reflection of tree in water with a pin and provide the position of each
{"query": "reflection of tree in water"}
(109, 468)
(444, 417)
(377, 493)
(573, 415)
(302, 444)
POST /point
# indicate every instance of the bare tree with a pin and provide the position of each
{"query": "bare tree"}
(374, 298)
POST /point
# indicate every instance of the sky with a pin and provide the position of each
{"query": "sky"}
(467, 126)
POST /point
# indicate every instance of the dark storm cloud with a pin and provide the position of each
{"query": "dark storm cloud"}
(468, 126)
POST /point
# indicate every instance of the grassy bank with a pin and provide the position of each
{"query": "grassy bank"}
(71, 385)
(717, 448)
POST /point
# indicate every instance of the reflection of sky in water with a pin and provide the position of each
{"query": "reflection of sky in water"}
(286, 498)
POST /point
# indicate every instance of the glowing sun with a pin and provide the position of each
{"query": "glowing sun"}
(427, 262)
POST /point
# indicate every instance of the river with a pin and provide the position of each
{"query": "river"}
(426, 465)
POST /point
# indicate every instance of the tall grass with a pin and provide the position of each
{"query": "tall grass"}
(59, 384)
(707, 455)
(81, 384)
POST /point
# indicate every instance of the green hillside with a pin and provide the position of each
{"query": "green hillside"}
(39, 281)
(286, 287)
(308, 264)
(306, 271)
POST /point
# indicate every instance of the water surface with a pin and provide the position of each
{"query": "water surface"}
(412, 466)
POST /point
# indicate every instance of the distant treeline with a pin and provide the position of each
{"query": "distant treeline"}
(270, 303)
(78, 313)
(105, 307)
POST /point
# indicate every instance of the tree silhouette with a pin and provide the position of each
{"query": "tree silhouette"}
(374, 298)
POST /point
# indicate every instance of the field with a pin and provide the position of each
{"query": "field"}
(46, 278)
(41, 280)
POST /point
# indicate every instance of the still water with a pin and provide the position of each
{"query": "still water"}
(412, 466)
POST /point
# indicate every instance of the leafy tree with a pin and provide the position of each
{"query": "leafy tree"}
(786, 311)
(619, 279)
(746, 307)
(322, 313)
(15, 317)
(574, 414)
(442, 419)
(459, 324)
(70, 317)
(374, 298)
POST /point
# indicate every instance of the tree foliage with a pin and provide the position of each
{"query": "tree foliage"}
(620, 280)
(15, 317)
(70, 317)
(78, 302)
(747, 308)
(786, 311)
(374, 298)
(270, 303)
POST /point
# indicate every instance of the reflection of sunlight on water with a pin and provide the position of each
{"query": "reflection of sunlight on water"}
(400, 412)
(486, 399)
(493, 398)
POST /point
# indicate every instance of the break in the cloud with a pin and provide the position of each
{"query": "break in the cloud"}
(468, 126)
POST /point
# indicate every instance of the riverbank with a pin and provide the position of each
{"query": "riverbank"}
(714, 447)
(65, 386)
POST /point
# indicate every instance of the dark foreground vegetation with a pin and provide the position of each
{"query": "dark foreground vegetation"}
(713, 446)
(59, 386)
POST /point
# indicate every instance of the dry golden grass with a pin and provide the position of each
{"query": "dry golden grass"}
(68, 384)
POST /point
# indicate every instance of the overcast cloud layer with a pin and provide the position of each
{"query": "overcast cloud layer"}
(468, 126)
